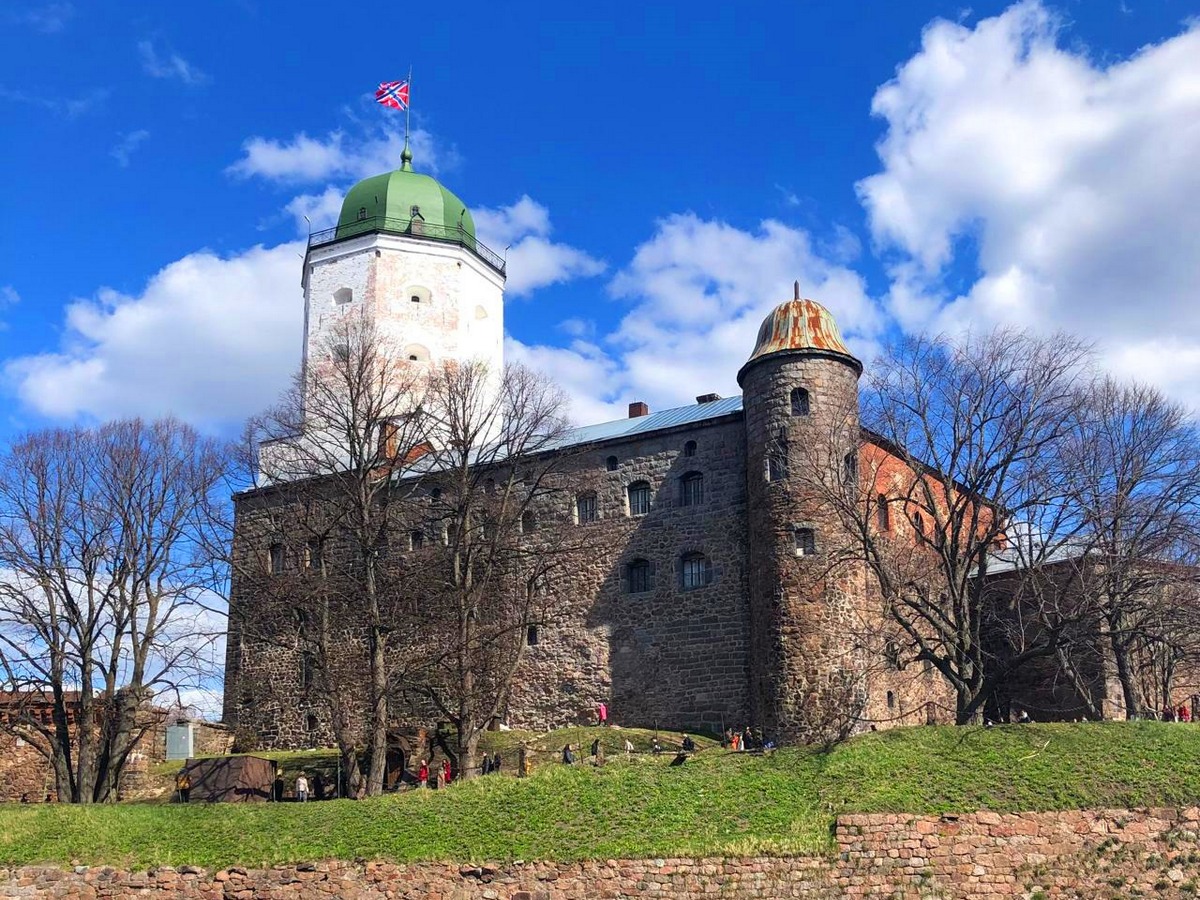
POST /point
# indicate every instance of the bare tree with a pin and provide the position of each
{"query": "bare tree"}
(962, 440)
(1135, 459)
(505, 553)
(344, 448)
(107, 588)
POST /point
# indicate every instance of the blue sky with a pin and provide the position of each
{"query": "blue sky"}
(660, 175)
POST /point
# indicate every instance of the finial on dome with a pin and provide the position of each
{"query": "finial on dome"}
(406, 157)
(796, 287)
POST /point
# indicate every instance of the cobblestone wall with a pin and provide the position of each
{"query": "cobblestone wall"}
(1083, 855)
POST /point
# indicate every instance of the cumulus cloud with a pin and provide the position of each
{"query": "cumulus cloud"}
(697, 291)
(169, 64)
(534, 261)
(126, 146)
(337, 156)
(1064, 188)
(210, 339)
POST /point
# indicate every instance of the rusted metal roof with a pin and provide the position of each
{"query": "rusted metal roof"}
(799, 325)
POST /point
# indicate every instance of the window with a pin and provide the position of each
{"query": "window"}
(799, 402)
(489, 487)
(611, 464)
(416, 540)
(691, 489)
(310, 722)
(850, 470)
(891, 700)
(882, 514)
(362, 214)
(585, 509)
(276, 559)
(777, 464)
(314, 555)
(689, 449)
(637, 574)
(435, 494)
(639, 498)
(528, 522)
(806, 541)
(531, 635)
(342, 296)
(695, 571)
(918, 521)
(891, 652)
(414, 211)
(415, 298)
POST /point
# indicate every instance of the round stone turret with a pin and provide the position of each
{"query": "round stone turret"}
(800, 395)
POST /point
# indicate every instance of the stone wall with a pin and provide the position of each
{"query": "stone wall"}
(1106, 854)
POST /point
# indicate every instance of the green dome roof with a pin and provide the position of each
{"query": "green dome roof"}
(405, 201)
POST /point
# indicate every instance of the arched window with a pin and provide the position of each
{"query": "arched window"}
(415, 298)
(611, 464)
(310, 722)
(695, 571)
(585, 509)
(891, 700)
(416, 540)
(639, 498)
(689, 449)
(637, 576)
(435, 494)
(799, 402)
(528, 522)
(850, 470)
(342, 296)
(883, 518)
(416, 353)
(691, 489)
(806, 541)
(362, 214)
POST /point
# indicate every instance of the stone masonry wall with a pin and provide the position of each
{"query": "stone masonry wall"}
(1089, 855)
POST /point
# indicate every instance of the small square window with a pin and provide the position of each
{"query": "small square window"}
(415, 298)
(806, 542)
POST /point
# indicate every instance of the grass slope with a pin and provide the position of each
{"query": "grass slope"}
(718, 803)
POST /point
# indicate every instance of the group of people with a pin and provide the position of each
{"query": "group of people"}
(1181, 714)
(739, 739)
(442, 775)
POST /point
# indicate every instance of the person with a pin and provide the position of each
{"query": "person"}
(523, 761)
(1185, 714)
(1023, 716)
(277, 788)
(440, 777)
(689, 746)
(656, 747)
(496, 762)
(25, 797)
(628, 747)
(595, 749)
(423, 774)
(318, 786)
(1168, 714)
(602, 713)
(183, 784)
(447, 773)
(568, 756)
(302, 788)
(485, 767)
(734, 741)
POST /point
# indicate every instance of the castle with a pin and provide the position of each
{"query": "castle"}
(708, 601)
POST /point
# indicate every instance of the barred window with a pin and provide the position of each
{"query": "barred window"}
(695, 571)
(585, 509)
(799, 402)
(639, 498)
(692, 489)
(638, 574)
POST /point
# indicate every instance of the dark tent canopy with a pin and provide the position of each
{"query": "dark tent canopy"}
(231, 778)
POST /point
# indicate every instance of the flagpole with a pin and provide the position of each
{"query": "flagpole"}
(408, 106)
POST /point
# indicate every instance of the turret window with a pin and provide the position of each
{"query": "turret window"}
(799, 402)
(362, 214)
(639, 498)
(806, 541)
(342, 296)
(415, 298)
(691, 487)
(695, 571)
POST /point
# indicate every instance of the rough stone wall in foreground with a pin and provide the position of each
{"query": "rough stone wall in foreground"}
(1088, 855)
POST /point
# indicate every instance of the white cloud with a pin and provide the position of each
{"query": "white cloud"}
(313, 212)
(68, 107)
(127, 145)
(209, 339)
(48, 19)
(8, 297)
(698, 291)
(337, 156)
(534, 261)
(169, 64)
(1066, 188)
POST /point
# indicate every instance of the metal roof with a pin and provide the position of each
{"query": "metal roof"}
(668, 418)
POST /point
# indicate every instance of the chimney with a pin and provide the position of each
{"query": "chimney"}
(638, 409)
(708, 398)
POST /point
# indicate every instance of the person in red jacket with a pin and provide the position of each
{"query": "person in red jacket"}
(446, 771)
(423, 774)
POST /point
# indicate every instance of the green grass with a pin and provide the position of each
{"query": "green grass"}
(718, 803)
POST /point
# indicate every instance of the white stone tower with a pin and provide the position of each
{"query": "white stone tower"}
(405, 255)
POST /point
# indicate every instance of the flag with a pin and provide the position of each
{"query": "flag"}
(393, 94)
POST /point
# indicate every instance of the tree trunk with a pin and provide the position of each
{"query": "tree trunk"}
(379, 715)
